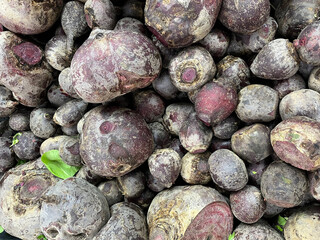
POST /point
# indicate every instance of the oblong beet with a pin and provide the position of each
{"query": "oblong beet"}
(180, 23)
(297, 142)
(215, 221)
(98, 72)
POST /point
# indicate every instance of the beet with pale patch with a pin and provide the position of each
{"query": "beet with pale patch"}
(20, 120)
(111, 191)
(314, 79)
(41, 123)
(132, 184)
(130, 24)
(97, 70)
(193, 19)
(69, 151)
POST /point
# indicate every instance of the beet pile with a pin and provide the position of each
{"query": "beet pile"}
(160, 120)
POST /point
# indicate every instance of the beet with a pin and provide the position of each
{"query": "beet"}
(20, 120)
(307, 44)
(193, 19)
(296, 141)
(130, 24)
(56, 96)
(314, 80)
(133, 8)
(255, 171)
(69, 151)
(283, 185)
(245, 16)
(215, 102)
(277, 60)
(164, 87)
(26, 74)
(111, 191)
(99, 75)
(284, 87)
(41, 123)
(7, 156)
(66, 86)
(191, 68)
(28, 146)
(31, 17)
(131, 184)
(7, 103)
(226, 128)
(160, 135)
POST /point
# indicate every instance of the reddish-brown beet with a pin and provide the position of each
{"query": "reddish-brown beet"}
(97, 70)
(193, 19)
(215, 102)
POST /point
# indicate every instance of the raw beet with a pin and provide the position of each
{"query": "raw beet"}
(52, 143)
(245, 16)
(29, 16)
(191, 68)
(294, 15)
(277, 60)
(172, 210)
(57, 96)
(164, 87)
(314, 79)
(28, 146)
(283, 185)
(7, 103)
(226, 128)
(130, 24)
(97, 70)
(215, 102)
(111, 191)
(255, 171)
(41, 123)
(296, 141)
(227, 170)
(132, 184)
(307, 44)
(247, 204)
(87, 174)
(127, 222)
(20, 120)
(100, 14)
(195, 168)
(215, 221)
(106, 144)
(65, 83)
(257, 103)
(79, 208)
(193, 19)
(7, 160)
(272, 210)
(23, 69)
(160, 135)
(237, 48)
(216, 42)
(21, 189)
(133, 8)
(284, 87)
(252, 143)
(69, 151)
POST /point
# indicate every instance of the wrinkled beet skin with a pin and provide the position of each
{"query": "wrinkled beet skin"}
(23, 69)
(244, 16)
(114, 141)
(30, 16)
(308, 44)
(180, 23)
(296, 141)
(97, 72)
(215, 102)
(215, 221)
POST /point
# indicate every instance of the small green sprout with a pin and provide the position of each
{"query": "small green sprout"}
(1, 229)
(57, 166)
(281, 222)
(41, 237)
(231, 236)
(15, 139)
(254, 172)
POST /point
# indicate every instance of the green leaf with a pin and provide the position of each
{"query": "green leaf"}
(282, 220)
(42, 237)
(15, 139)
(1, 230)
(279, 228)
(254, 172)
(231, 236)
(56, 166)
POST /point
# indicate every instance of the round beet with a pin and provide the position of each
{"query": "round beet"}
(41, 123)
(314, 79)
(28, 146)
(164, 87)
(7, 103)
(244, 16)
(132, 184)
(247, 204)
(194, 19)
(131, 24)
(111, 191)
(284, 87)
(226, 128)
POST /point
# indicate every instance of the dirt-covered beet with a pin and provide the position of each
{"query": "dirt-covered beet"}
(194, 135)
(252, 143)
(111, 191)
(226, 128)
(307, 44)
(283, 185)
(172, 210)
(29, 16)
(294, 15)
(106, 144)
(244, 16)
(303, 224)
(20, 120)
(215, 101)
(247, 204)
(56, 96)
(69, 151)
(21, 189)
(131, 24)
(255, 171)
(24, 70)
(28, 146)
(193, 19)
(294, 83)
(314, 79)
(100, 13)
(127, 221)
(258, 230)
(7, 103)
(163, 86)
(161, 136)
(227, 170)
(215, 221)
(65, 83)
(132, 184)
(277, 60)
(97, 72)
(195, 168)
(191, 68)
(80, 210)
(296, 141)
(87, 174)
(257, 103)
(52, 143)
(7, 160)
(41, 123)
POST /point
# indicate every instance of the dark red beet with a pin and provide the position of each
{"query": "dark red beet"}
(215, 221)
(215, 102)
(28, 52)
